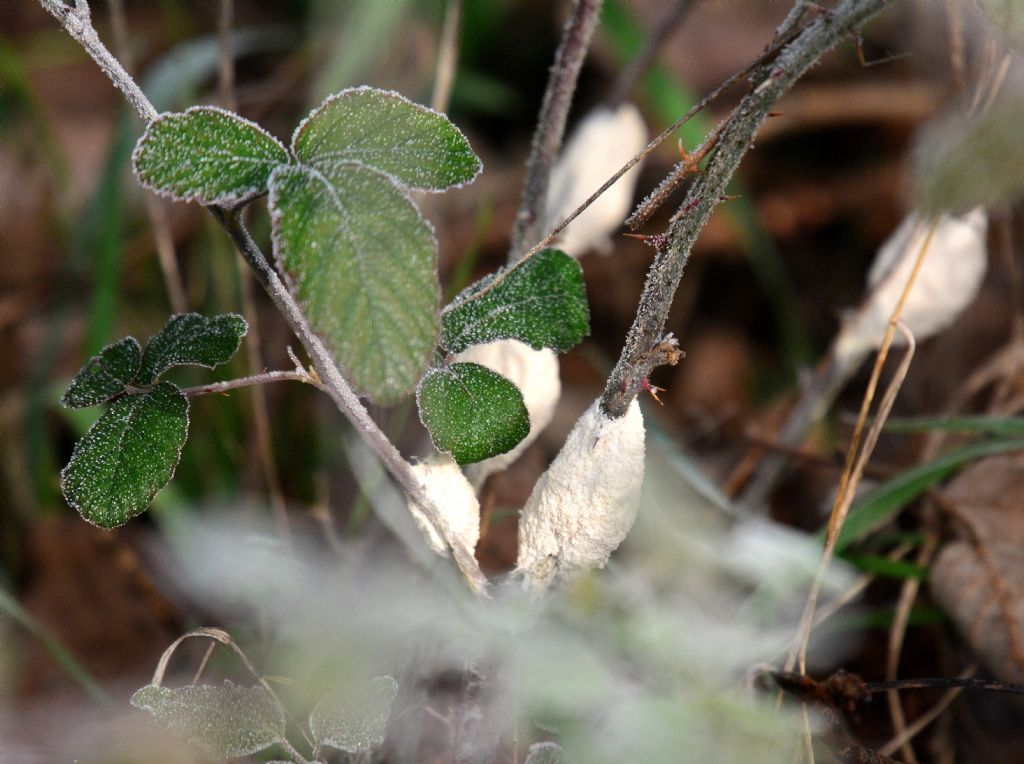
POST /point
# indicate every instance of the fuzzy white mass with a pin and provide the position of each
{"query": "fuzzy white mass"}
(947, 283)
(452, 494)
(604, 141)
(584, 505)
(535, 373)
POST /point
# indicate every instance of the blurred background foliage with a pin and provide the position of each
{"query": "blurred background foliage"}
(759, 303)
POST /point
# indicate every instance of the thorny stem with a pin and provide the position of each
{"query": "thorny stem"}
(817, 38)
(78, 24)
(554, 112)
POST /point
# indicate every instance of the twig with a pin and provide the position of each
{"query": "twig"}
(554, 112)
(662, 29)
(226, 70)
(447, 56)
(927, 717)
(162, 238)
(77, 23)
(704, 195)
(657, 141)
(253, 344)
(254, 379)
(897, 633)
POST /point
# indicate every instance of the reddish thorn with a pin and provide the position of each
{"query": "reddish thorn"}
(728, 197)
(645, 384)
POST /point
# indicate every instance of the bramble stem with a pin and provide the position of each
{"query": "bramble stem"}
(648, 329)
(77, 22)
(554, 111)
(253, 379)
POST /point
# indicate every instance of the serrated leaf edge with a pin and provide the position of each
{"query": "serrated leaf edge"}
(276, 216)
(245, 331)
(97, 357)
(387, 94)
(149, 500)
(488, 283)
(447, 369)
(226, 200)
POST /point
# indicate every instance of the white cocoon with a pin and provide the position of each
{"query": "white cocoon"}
(947, 283)
(584, 505)
(448, 488)
(604, 141)
(535, 373)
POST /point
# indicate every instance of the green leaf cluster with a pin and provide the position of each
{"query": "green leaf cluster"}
(131, 451)
(362, 262)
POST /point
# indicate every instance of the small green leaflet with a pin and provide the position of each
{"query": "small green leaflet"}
(354, 720)
(226, 721)
(131, 451)
(189, 339)
(359, 257)
(105, 375)
(541, 301)
(127, 456)
(415, 146)
(207, 155)
(471, 412)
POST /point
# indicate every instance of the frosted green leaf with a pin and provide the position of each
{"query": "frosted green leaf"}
(189, 339)
(226, 721)
(541, 301)
(105, 375)
(962, 162)
(415, 146)
(356, 719)
(127, 455)
(471, 412)
(545, 753)
(208, 155)
(363, 264)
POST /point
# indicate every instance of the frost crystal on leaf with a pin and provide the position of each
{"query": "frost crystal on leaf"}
(105, 375)
(208, 155)
(127, 456)
(471, 412)
(226, 721)
(189, 339)
(356, 252)
(947, 283)
(415, 146)
(356, 719)
(535, 373)
(604, 141)
(584, 505)
(541, 301)
(448, 489)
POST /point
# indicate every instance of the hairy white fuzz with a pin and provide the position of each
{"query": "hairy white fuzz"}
(448, 488)
(947, 283)
(604, 141)
(584, 505)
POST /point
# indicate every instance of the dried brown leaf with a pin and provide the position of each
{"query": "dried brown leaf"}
(980, 581)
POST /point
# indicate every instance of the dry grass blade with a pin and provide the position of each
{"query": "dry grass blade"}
(857, 456)
(897, 633)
